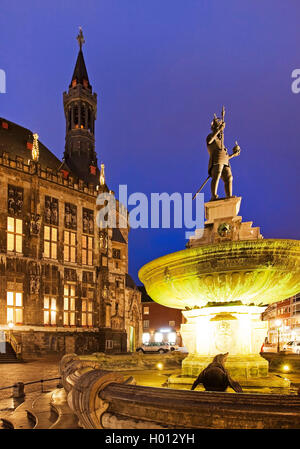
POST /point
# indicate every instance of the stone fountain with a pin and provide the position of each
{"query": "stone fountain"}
(225, 279)
(222, 283)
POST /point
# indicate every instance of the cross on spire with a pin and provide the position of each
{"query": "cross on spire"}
(80, 38)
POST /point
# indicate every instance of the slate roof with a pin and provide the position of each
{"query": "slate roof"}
(129, 282)
(80, 72)
(117, 236)
(145, 296)
(13, 141)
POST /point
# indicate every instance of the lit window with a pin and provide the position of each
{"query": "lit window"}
(172, 338)
(171, 323)
(87, 250)
(14, 301)
(146, 324)
(146, 310)
(50, 242)
(14, 234)
(146, 338)
(158, 337)
(69, 246)
(87, 309)
(69, 305)
(49, 310)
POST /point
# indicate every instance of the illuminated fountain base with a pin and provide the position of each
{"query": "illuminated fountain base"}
(236, 329)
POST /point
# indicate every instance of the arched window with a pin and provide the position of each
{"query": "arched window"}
(89, 119)
(76, 116)
(82, 108)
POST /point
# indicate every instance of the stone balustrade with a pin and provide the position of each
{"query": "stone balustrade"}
(103, 399)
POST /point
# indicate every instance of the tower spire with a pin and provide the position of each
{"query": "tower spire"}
(80, 105)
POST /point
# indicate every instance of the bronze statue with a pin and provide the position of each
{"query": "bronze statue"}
(216, 378)
(219, 166)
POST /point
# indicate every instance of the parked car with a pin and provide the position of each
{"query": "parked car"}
(292, 346)
(269, 347)
(156, 347)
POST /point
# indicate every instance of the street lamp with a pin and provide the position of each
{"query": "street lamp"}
(278, 324)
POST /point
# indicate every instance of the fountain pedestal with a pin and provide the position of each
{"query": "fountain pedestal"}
(236, 329)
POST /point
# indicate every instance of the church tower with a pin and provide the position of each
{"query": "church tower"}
(80, 106)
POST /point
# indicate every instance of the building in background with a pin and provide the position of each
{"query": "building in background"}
(64, 283)
(284, 315)
(160, 324)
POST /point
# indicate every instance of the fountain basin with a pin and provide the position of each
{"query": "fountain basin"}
(255, 272)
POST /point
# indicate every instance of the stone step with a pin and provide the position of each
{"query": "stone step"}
(40, 413)
(18, 419)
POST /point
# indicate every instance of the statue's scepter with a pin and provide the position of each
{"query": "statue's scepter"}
(222, 143)
(222, 132)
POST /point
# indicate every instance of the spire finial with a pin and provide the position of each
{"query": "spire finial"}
(80, 38)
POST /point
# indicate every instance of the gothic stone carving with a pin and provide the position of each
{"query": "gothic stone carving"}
(51, 210)
(70, 216)
(15, 200)
(88, 221)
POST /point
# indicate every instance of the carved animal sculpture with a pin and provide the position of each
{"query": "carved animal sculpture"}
(215, 377)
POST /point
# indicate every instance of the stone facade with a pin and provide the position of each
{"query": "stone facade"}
(64, 283)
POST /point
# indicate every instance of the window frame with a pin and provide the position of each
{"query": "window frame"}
(69, 312)
(50, 241)
(70, 246)
(14, 307)
(15, 234)
(85, 249)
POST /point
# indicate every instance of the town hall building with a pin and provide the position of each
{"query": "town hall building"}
(64, 282)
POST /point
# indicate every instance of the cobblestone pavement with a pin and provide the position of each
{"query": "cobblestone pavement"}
(11, 373)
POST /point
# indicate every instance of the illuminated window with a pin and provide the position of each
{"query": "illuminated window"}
(69, 305)
(49, 310)
(87, 308)
(146, 324)
(14, 301)
(146, 310)
(158, 337)
(172, 338)
(87, 250)
(14, 234)
(171, 323)
(69, 246)
(146, 338)
(50, 242)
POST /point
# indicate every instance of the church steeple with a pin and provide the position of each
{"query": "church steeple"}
(80, 106)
